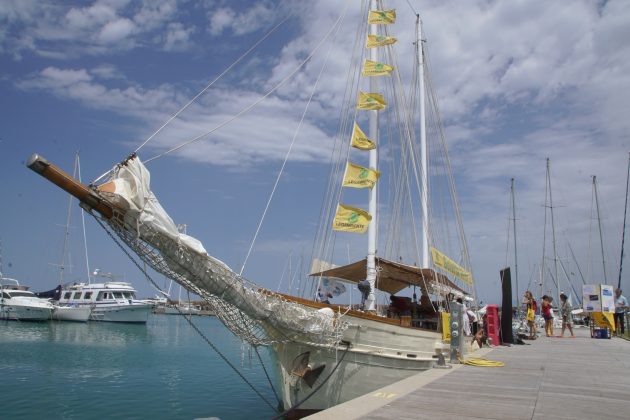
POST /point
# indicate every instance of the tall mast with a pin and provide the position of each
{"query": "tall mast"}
(62, 266)
(515, 252)
(542, 265)
(423, 147)
(370, 302)
(599, 224)
(1, 267)
(553, 233)
(623, 233)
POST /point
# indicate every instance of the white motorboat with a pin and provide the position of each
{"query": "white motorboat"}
(112, 301)
(19, 304)
(75, 313)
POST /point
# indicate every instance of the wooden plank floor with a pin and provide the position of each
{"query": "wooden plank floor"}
(551, 378)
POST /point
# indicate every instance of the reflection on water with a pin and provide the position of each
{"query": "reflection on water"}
(85, 334)
(104, 370)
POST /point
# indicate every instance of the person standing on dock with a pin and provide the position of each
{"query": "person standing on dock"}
(621, 303)
(547, 315)
(530, 302)
(567, 316)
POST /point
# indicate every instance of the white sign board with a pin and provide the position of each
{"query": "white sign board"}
(608, 298)
(598, 298)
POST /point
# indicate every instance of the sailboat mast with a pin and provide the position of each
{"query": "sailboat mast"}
(542, 265)
(553, 233)
(62, 266)
(370, 302)
(599, 224)
(423, 147)
(515, 251)
(623, 233)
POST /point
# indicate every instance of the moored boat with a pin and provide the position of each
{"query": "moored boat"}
(112, 301)
(20, 304)
(74, 313)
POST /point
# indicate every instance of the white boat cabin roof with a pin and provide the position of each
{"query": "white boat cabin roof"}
(110, 285)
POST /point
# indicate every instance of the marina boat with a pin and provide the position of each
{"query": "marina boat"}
(327, 353)
(112, 301)
(65, 312)
(181, 309)
(74, 313)
(19, 304)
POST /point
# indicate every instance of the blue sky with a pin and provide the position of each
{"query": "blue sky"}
(518, 81)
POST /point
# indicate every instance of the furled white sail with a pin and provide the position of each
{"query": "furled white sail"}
(254, 314)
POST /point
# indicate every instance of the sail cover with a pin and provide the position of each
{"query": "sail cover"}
(392, 277)
(253, 314)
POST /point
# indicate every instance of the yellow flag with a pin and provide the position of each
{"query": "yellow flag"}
(351, 219)
(445, 263)
(374, 41)
(374, 68)
(382, 17)
(359, 140)
(359, 177)
(371, 101)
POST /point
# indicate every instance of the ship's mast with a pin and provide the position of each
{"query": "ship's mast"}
(515, 252)
(423, 147)
(66, 234)
(553, 233)
(599, 224)
(370, 302)
(542, 264)
(623, 233)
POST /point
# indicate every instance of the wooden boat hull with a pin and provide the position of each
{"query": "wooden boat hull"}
(378, 354)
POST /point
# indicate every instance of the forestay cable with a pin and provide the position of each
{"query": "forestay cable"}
(295, 135)
(275, 88)
(238, 60)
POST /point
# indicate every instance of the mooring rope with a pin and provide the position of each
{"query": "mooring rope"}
(188, 319)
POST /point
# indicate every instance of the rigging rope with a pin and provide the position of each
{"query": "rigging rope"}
(245, 54)
(246, 109)
(481, 362)
(337, 25)
(192, 324)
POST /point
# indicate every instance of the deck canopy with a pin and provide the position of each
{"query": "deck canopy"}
(392, 277)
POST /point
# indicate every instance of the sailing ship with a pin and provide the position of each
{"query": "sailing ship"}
(326, 353)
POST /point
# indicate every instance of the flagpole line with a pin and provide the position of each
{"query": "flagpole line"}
(295, 135)
(275, 88)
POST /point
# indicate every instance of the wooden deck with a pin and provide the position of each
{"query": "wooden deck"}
(551, 378)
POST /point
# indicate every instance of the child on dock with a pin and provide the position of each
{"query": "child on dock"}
(567, 317)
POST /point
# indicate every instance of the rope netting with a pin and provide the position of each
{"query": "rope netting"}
(255, 315)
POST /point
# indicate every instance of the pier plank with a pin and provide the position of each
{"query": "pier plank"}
(551, 378)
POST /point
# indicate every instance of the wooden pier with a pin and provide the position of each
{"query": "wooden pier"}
(550, 378)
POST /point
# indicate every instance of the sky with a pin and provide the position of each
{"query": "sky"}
(517, 81)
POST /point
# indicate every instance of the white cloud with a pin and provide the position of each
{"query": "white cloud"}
(250, 20)
(116, 30)
(177, 37)
(220, 19)
(90, 18)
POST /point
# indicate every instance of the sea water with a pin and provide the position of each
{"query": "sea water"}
(161, 370)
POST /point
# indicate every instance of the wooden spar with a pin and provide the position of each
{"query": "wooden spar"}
(67, 183)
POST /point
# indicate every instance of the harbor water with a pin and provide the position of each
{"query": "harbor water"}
(161, 370)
